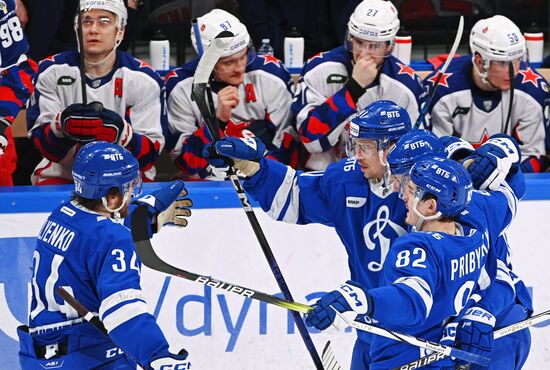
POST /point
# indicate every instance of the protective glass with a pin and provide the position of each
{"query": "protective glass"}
(355, 146)
(134, 187)
(499, 68)
(101, 22)
(360, 47)
(238, 60)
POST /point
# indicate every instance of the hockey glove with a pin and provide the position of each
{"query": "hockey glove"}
(3, 139)
(349, 297)
(170, 361)
(167, 206)
(474, 332)
(491, 163)
(456, 148)
(244, 152)
(92, 122)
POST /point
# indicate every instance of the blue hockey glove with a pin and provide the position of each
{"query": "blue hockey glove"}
(167, 206)
(456, 148)
(91, 122)
(349, 297)
(244, 152)
(493, 161)
(474, 332)
(170, 361)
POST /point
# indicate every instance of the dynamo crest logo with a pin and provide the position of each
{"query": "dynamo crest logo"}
(3, 6)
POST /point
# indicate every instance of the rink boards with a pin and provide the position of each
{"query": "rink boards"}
(225, 331)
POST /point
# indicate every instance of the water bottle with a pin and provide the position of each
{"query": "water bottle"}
(294, 49)
(265, 48)
(159, 52)
(534, 43)
(403, 46)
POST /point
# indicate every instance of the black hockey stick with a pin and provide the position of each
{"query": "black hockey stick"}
(202, 95)
(511, 103)
(507, 330)
(424, 108)
(82, 67)
(150, 259)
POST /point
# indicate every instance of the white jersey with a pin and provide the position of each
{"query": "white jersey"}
(264, 96)
(460, 108)
(323, 105)
(132, 89)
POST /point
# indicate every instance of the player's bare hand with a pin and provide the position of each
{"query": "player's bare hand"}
(364, 70)
(228, 99)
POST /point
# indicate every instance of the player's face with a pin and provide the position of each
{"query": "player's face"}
(409, 193)
(498, 73)
(99, 32)
(366, 153)
(376, 50)
(231, 69)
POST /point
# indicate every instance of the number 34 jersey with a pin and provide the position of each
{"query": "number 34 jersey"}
(93, 258)
(13, 41)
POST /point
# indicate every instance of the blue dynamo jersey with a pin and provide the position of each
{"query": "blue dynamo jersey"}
(13, 40)
(437, 273)
(366, 218)
(94, 259)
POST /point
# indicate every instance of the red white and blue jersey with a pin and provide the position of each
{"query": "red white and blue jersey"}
(92, 257)
(132, 89)
(15, 89)
(461, 109)
(13, 40)
(323, 105)
(264, 110)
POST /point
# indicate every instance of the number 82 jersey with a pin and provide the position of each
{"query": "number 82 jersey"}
(12, 39)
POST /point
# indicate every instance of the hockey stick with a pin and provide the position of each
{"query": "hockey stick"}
(150, 259)
(424, 108)
(422, 343)
(511, 77)
(195, 25)
(203, 94)
(507, 330)
(82, 67)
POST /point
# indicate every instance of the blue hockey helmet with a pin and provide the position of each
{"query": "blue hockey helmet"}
(410, 148)
(447, 180)
(100, 166)
(383, 121)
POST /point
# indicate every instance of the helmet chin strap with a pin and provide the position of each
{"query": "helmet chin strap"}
(421, 217)
(115, 212)
(386, 182)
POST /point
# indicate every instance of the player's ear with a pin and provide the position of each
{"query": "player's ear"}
(120, 35)
(478, 60)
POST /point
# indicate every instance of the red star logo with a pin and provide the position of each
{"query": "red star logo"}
(318, 55)
(442, 81)
(484, 138)
(271, 59)
(406, 70)
(530, 76)
(169, 75)
(143, 64)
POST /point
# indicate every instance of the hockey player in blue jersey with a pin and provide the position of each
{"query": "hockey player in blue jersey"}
(84, 247)
(506, 299)
(353, 195)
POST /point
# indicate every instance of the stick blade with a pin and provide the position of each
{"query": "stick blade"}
(329, 359)
(211, 56)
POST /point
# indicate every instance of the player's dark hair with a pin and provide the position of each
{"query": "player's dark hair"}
(92, 204)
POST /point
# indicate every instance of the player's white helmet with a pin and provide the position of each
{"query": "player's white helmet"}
(116, 7)
(497, 38)
(216, 21)
(374, 20)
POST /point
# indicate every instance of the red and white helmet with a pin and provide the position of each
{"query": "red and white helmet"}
(374, 20)
(216, 21)
(116, 7)
(497, 38)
